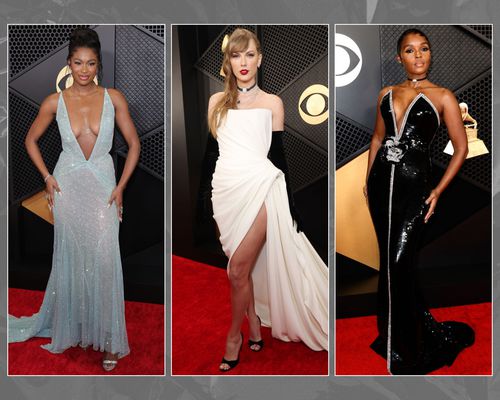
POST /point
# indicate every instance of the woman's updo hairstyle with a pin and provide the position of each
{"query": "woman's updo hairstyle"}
(86, 37)
(412, 31)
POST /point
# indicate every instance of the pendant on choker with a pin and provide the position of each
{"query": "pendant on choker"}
(415, 80)
(246, 90)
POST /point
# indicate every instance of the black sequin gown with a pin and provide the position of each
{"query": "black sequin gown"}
(398, 185)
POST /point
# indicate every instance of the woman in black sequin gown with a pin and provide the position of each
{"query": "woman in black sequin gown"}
(401, 200)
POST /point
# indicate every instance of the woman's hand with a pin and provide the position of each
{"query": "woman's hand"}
(365, 193)
(431, 201)
(117, 197)
(50, 189)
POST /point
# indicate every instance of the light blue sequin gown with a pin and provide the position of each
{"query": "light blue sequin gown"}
(83, 303)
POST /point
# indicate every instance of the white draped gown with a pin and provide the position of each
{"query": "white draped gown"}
(290, 279)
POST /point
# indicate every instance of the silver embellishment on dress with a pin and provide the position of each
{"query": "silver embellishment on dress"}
(394, 152)
(389, 350)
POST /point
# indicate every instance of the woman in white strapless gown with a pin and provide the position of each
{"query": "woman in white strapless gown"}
(277, 278)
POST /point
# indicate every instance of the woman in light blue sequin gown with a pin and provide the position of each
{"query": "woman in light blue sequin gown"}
(83, 303)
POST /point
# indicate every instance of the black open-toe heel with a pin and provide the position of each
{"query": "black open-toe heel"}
(259, 343)
(231, 363)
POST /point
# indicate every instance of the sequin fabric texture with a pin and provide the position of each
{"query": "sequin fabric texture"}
(410, 339)
(83, 303)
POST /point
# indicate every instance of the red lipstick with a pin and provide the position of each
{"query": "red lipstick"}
(243, 71)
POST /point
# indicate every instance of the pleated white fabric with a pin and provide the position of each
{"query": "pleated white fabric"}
(290, 279)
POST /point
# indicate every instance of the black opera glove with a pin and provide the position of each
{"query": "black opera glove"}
(204, 209)
(277, 157)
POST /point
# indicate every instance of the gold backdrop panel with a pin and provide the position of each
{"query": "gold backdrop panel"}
(355, 234)
(38, 205)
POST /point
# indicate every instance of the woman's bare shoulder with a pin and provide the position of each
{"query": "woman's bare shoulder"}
(215, 97)
(117, 97)
(441, 96)
(273, 102)
(384, 91)
(49, 104)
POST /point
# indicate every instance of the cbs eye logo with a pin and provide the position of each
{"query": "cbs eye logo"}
(348, 60)
(64, 79)
(313, 104)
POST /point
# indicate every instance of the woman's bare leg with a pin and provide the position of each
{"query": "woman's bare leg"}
(253, 320)
(240, 267)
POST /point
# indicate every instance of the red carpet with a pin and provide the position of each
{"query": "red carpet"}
(354, 336)
(145, 329)
(201, 315)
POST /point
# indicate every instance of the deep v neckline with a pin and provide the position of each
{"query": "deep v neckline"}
(399, 132)
(73, 132)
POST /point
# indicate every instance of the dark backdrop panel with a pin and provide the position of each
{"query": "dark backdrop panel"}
(53, 62)
(294, 57)
(24, 178)
(140, 76)
(461, 61)
(316, 135)
(133, 62)
(457, 55)
(289, 51)
(28, 45)
(368, 82)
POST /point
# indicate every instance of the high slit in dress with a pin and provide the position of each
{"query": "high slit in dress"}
(410, 339)
(290, 279)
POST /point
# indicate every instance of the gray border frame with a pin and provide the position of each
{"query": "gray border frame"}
(238, 11)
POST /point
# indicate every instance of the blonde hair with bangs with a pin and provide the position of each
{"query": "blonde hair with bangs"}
(238, 41)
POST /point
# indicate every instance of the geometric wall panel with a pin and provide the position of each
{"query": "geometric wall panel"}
(152, 152)
(152, 157)
(279, 43)
(299, 152)
(140, 76)
(309, 46)
(294, 57)
(28, 44)
(25, 180)
(158, 30)
(40, 79)
(453, 49)
(350, 138)
(318, 74)
(305, 43)
(133, 62)
(484, 30)
(461, 61)
(477, 94)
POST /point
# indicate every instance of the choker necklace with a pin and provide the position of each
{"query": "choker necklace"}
(414, 79)
(246, 90)
(247, 96)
